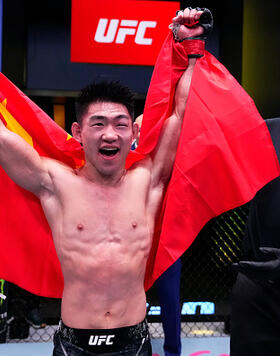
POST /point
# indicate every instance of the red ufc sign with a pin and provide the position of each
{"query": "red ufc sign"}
(119, 31)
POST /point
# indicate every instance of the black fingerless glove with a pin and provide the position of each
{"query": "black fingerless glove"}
(206, 21)
(195, 45)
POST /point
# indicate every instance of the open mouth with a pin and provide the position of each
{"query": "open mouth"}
(109, 152)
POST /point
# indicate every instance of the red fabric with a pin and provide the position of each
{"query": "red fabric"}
(224, 156)
(225, 153)
(27, 253)
(192, 25)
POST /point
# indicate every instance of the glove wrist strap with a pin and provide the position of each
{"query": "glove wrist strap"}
(193, 48)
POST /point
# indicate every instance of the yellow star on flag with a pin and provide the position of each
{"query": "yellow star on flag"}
(13, 125)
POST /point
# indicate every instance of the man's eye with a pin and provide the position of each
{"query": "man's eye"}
(122, 125)
(98, 124)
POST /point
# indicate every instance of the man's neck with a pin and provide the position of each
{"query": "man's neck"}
(94, 176)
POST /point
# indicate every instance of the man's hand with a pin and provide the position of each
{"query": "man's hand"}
(267, 269)
(192, 24)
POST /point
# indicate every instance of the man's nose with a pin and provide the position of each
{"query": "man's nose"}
(109, 134)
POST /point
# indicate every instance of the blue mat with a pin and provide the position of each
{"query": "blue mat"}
(199, 346)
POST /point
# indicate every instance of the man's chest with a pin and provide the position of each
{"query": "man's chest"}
(87, 206)
(102, 229)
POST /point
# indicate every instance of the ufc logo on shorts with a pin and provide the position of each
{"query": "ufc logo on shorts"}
(97, 340)
(117, 33)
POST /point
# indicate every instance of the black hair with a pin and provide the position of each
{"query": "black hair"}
(104, 91)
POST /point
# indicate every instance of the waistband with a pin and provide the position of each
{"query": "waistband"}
(104, 340)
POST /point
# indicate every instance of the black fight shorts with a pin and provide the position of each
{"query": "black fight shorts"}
(131, 340)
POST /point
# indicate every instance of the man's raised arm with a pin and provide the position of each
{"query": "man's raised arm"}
(22, 162)
(186, 26)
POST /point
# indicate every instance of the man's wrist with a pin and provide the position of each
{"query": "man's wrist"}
(193, 47)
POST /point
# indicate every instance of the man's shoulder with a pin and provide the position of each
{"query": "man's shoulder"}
(140, 173)
(145, 163)
(55, 166)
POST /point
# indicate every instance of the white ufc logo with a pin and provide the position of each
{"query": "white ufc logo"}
(101, 339)
(127, 27)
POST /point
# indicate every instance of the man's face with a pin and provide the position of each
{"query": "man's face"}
(106, 134)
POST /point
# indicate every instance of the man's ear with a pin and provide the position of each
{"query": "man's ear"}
(135, 130)
(76, 131)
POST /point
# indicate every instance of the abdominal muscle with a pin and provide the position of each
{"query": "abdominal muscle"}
(103, 284)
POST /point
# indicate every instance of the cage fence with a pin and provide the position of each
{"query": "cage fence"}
(206, 282)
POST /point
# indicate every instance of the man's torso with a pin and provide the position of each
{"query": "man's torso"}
(103, 236)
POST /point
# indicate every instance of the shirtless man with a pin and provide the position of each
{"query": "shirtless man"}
(102, 239)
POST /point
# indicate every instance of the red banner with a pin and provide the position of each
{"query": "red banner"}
(27, 254)
(119, 32)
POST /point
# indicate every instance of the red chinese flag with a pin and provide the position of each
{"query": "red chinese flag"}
(27, 254)
(224, 156)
